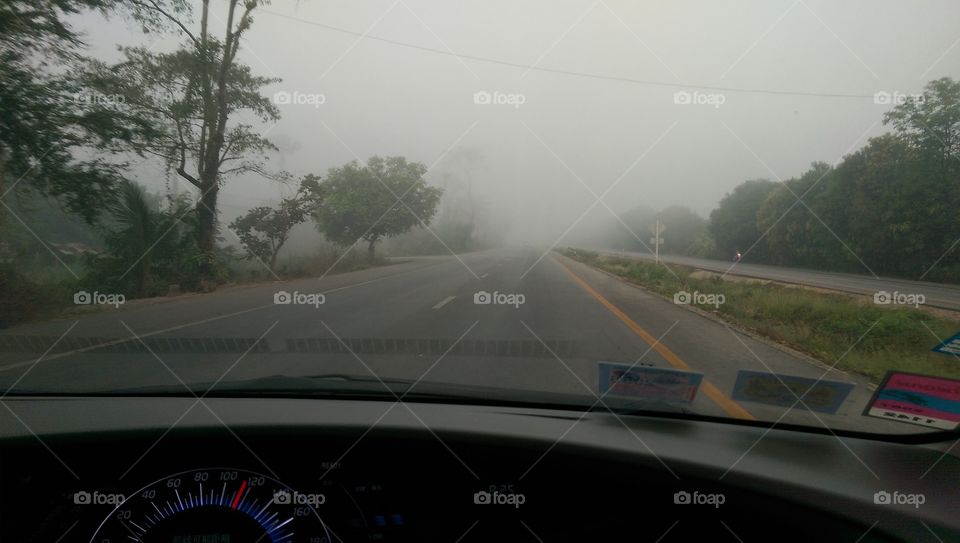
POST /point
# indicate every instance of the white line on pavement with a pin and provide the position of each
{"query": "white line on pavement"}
(187, 325)
(444, 302)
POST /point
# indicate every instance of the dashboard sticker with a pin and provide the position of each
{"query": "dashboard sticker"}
(784, 390)
(950, 346)
(925, 400)
(661, 384)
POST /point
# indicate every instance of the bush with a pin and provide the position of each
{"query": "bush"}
(22, 299)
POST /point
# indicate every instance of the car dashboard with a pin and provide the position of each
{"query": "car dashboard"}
(228, 470)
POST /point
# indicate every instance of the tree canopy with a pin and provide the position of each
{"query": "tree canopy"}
(892, 207)
(382, 198)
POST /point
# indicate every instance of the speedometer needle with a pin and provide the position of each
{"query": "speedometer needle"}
(236, 500)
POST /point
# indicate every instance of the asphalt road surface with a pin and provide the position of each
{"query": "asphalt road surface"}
(936, 294)
(418, 319)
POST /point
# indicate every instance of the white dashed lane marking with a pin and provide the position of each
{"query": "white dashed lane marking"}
(444, 302)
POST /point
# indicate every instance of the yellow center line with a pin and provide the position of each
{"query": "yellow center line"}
(731, 407)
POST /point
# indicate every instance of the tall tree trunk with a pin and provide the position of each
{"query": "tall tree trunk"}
(142, 275)
(207, 227)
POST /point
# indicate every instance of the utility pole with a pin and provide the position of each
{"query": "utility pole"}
(656, 240)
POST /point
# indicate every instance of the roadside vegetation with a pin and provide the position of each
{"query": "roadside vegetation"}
(889, 208)
(70, 223)
(867, 339)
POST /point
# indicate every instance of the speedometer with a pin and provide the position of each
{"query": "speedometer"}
(216, 505)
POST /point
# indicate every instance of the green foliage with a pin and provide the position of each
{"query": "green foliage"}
(264, 230)
(150, 247)
(931, 125)
(385, 197)
(683, 229)
(890, 208)
(863, 337)
(22, 298)
(47, 117)
(703, 245)
(784, 216)
(194, 96)
(734, 222)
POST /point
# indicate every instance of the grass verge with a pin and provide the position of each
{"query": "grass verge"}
(867, 339)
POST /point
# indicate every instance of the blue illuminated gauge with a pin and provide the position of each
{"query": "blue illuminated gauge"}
(215, 505)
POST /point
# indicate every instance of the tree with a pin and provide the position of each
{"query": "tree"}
(467, 160)
(898, 219)
(734, 222)
(931, 127)
(145, 243)
(194, 95)
(795, 235)
(264, 230)
(932, 124)
(632, 224)
(47, 118)
(683, 227)
(385, 197)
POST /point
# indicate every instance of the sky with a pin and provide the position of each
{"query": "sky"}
(563, 113)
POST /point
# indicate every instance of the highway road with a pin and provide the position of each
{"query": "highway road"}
(936, 294)
(418, 319)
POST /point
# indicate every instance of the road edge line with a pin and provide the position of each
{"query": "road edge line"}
(731, 407)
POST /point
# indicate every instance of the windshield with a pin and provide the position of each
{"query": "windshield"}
(735, 209)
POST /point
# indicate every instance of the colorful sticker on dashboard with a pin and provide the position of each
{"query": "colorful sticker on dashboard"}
(925, 400)
(785, 390)
(950, 346)
(661, 384)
